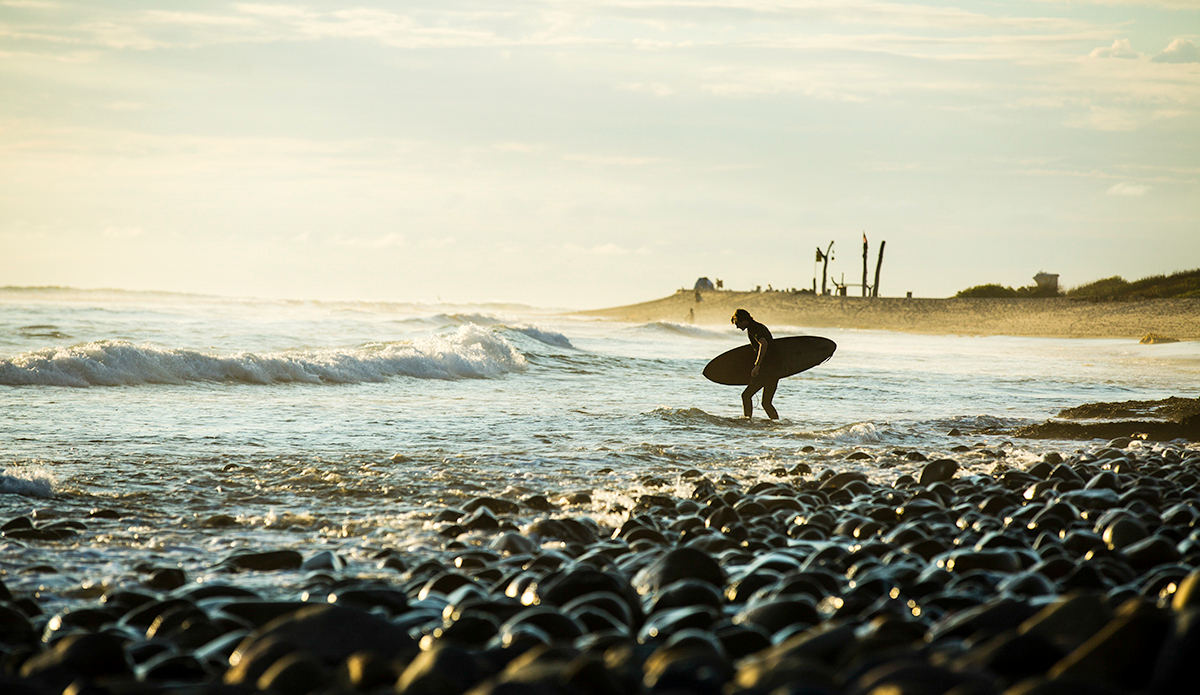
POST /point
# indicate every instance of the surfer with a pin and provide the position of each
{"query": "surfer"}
(760, 340)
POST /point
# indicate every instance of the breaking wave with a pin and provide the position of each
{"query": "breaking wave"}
(36, 483)
(470, 352)
(543, 336)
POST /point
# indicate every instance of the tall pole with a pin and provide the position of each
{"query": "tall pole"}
(878, 265)
(864, 282)
(825, 269)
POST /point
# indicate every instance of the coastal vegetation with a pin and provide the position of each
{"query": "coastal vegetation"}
(1177, 285)
(1182, 284)
(994, 291)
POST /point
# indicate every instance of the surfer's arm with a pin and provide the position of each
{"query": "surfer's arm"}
(762, 355)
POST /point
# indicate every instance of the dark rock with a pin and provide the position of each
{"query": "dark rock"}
(558, 625)
(1122, 653)
(663, 624)
(294, 674)
(777, 614)
(332, 633)
(88, 656)
(497, 506)
(324, 560)
(677, 564)
(15, 628)
(271, 560)
(166, 579)
(169, 666)
(252, 658)
(686, 592)
(366, 672)
(446, 669)
(938, 471)
(258, 613)
(1011, 656)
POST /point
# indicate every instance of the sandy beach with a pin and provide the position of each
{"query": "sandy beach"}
(1051, 318)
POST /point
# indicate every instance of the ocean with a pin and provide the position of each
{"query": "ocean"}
(178, 429)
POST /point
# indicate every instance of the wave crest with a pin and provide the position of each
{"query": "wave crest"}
(470, 352)
(35, 483)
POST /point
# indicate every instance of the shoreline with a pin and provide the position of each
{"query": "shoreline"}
(1177, 319)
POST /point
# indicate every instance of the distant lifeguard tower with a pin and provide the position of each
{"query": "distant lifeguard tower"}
(1047, 282)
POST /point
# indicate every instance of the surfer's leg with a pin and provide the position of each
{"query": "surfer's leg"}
(768, 395)
(748, 397)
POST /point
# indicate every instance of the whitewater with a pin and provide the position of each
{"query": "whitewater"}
(209, 423)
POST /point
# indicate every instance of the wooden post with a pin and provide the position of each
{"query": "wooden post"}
(825, 270)
(878, 265)
(864, 282)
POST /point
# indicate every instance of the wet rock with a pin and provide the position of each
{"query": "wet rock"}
(663, 624)
(1122, 653)
(252, 658)
(324, 560)
(166, 579)
(332, 633)
(677, 564)
(495, 505)
(87, 656)
(777, 614)
(294, 674)
(268, 561)
(555, 623)
(445, 670)
(938, 471)
(15, 628)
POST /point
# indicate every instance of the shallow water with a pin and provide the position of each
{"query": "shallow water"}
(216, 423)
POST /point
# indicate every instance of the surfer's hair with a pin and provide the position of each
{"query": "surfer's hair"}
(741, 315)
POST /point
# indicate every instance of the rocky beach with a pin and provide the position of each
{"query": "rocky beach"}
(1075, 574)
(1175, 319)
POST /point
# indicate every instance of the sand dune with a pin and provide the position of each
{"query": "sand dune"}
(1067, 318)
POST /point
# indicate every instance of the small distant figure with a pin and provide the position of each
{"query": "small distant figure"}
(691, 316)
(760, 338)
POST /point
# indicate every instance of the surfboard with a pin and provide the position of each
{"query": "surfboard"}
(786, 357)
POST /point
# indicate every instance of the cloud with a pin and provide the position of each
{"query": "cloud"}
(658, 90)
(1120, 48)
(1180, 51)
(1128, 189)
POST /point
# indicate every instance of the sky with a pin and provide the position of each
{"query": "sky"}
(593, 153)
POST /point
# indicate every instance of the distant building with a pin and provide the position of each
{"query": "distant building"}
(1047, 282)
(706, 284)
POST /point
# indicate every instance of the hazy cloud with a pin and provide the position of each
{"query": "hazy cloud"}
(1180, 51)
(1121, 48)
(1128, 189)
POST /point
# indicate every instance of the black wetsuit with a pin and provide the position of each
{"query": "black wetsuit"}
(760, 335)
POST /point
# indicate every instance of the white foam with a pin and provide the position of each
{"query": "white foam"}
(858, 433)
(34, 482)
(470, 352)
